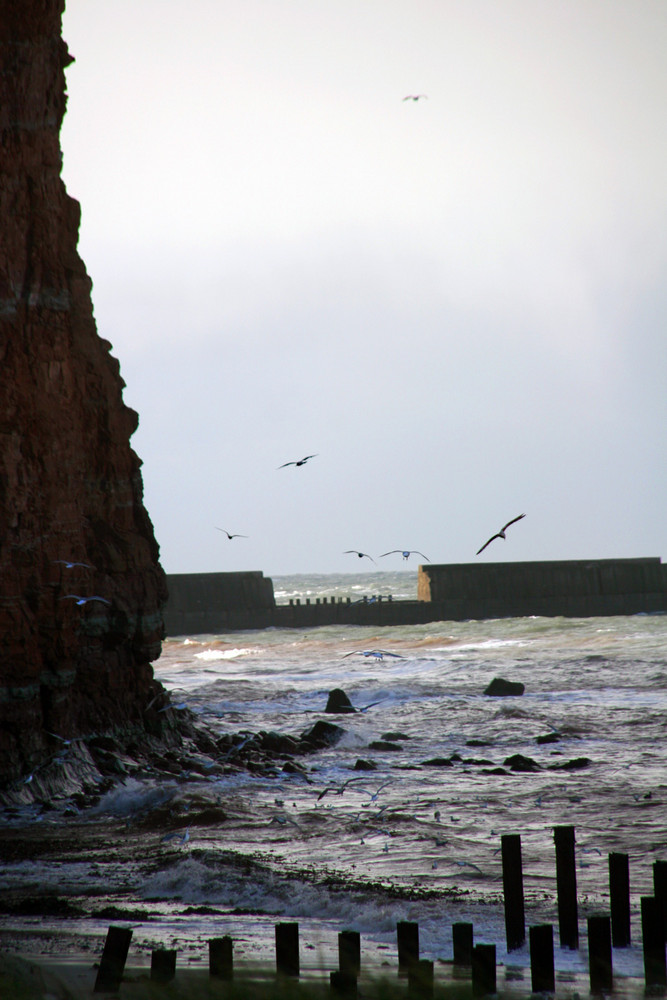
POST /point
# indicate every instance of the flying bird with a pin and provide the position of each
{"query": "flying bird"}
(71, 565)
(362, 555)
(84, 600)
(302, 461)
(377, 654)
(501, 533)
(415, 97)
(225, 532)
(406, 553)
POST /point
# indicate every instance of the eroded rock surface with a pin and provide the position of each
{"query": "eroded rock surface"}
(70, 484)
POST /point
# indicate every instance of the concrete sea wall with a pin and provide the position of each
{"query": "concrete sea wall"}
(216, 602)
(572, 588)
(213, 602)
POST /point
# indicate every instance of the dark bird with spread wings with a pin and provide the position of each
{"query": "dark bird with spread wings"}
(501, 533)
(406, 553)
(225, 532)
(302, 461)
(415, 97)
(362, 555)
(376, 654)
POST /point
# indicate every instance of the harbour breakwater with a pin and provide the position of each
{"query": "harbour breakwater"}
(201, 603)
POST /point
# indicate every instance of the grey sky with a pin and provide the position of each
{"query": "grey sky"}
(458, 303)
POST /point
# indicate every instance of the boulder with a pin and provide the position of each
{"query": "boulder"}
(500, 688)
(365, 765)
(517, 762)
(321, 735)
(338, 702)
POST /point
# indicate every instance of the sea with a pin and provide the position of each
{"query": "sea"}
(448, 770)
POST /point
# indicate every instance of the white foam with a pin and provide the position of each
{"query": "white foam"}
(223, 654)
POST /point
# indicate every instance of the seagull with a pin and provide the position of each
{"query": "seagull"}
(84, 600)
(406, 553)
(61, 738)
(71, 565)
(302, 461)
(182, 838)
(501, 533)
(377, 654)
(362, 555)
(414, 97)
(225, 532)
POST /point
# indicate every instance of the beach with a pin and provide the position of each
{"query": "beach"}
(399, 818)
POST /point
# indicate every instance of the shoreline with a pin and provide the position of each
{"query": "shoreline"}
(27, 976)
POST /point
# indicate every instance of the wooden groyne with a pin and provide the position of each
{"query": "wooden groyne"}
(472, 962)
(218, 602)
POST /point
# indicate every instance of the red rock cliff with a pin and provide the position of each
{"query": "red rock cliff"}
(70, 484)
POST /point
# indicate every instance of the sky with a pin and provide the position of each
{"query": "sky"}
(457, 304)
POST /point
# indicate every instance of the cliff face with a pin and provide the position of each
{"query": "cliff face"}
(70, 484)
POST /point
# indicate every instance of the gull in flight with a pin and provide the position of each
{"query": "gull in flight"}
(71, 565)
(406, 553)
(415, 97)
(302, 461)
(339, 789)
(377, 654)
(84, 600)
(362, 555)
(225, 532)
(501, 533)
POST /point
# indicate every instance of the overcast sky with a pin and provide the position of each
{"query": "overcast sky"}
(458, 303)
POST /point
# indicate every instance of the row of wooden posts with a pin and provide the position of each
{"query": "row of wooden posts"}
(344, 600)
(604, 931)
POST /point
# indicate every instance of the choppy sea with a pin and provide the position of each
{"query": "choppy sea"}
(418, 836)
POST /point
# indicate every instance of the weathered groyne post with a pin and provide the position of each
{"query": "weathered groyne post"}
(515, 922)
(566, 884)
(619, 896)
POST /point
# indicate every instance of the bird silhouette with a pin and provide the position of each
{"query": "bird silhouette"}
(302, 461)
(71, 565)
(406, 553)
(376, 654)
(415, 97)
(501, 533)
(84, 600)
(225, 532)
(362, 555)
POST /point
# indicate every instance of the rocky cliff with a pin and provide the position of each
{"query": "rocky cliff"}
(72, 520)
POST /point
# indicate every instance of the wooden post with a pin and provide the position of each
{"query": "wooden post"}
(287, 949)
(407, 934)
(221, 957)
(660, 889)
(566, 883)
(349, 953)
(515, 923)
(542, 971)
(619, 897)
(483, 970)
(163, 965)
(462, 936)
(655, 970)
(420, 979)
(343, 984)
(599, 954)
(112, 963)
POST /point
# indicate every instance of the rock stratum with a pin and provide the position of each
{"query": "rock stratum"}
(70, 484)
